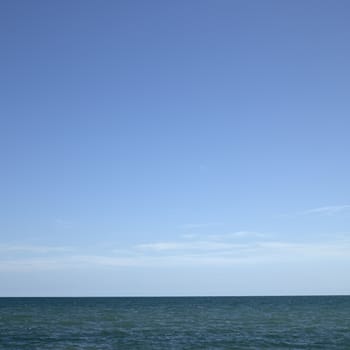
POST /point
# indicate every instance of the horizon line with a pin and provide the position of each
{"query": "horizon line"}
(179, 296)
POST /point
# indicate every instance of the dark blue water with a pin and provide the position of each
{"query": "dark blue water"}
(175, 323)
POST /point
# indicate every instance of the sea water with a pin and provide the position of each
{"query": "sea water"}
(320, 322)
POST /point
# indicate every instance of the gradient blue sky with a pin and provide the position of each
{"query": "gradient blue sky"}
(174, 147)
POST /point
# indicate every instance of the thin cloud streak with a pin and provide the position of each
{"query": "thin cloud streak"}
(34, 249)
(189, 246)
(185, 254)
(327, 210)
(238, 235)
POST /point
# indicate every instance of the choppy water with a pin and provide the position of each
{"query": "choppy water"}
(175, 323)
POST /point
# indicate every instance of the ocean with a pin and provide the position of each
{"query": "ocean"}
(312, 322)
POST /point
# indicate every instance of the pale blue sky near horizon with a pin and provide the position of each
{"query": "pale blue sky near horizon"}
(174, 147)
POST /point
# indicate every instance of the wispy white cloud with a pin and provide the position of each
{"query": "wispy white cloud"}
(238, 235)
(327, 210)
(33, 249)
(188, 246)
(192, 241)
(186, 253)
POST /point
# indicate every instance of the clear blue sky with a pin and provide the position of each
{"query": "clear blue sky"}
(174, 147)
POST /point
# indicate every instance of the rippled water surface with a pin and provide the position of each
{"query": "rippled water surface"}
(175, 323)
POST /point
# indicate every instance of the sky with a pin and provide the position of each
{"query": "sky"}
(174, 147)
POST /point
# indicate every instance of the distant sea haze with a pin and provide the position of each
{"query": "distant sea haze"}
(312, 322)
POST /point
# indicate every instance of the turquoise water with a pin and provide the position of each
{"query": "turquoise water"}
(175, 323)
